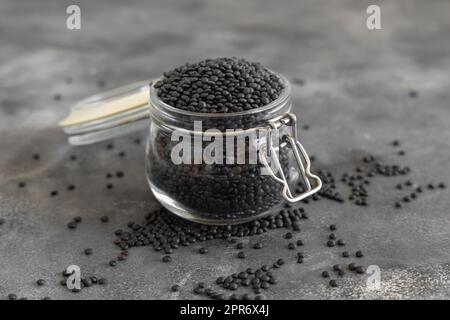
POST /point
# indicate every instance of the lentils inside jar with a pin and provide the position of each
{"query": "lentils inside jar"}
(221, 191)
(221, 85)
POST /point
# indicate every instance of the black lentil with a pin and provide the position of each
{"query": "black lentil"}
(413, 93)
(87, 282)
(72, 225)
(240, 246)
(325, 274)
(359, 254)
(360, 270)
(337, 267)
(241, 255)
(40, 282)
(219, 280)
(65, 273)
(88, 251)
(264, 285)
(12, 296)
(333, 283)
(203, 250)
(175, 288)
(257, 245)
(119, 174)
(104, 219)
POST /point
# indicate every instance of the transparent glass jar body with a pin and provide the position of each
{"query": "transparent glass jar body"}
(231, 190)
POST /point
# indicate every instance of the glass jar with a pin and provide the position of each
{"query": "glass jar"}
(240, 181)
(212, 168)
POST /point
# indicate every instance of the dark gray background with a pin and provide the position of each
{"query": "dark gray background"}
(355, 99)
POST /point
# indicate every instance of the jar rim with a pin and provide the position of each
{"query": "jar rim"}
(156, 102)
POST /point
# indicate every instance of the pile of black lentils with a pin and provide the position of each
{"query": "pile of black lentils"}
(166, 233)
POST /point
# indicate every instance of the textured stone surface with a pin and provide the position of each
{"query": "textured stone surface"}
(355, 99)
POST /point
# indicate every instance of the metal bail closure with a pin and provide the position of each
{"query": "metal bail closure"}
(303, 161)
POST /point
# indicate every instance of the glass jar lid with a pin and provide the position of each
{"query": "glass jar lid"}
(110, 114)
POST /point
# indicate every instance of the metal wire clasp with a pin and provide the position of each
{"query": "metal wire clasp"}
(267, 151)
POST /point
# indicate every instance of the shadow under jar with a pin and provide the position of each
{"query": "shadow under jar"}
(226, 168)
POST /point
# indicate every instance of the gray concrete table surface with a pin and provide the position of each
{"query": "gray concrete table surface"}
(355, 100)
